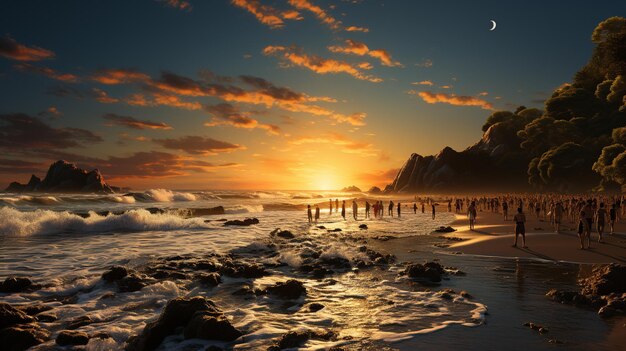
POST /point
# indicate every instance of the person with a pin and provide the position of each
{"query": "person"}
(589, 212)
(398, 209)
(343, 210)
(449, 205)
(367, 209)
(433, 206)
(600, 220)
(336, 205)
(317, 213)
(582, 223)
(612, 218)
(422, 207)
(390, 208)
(415, 207)
(471, 214)
(558, 216)
(330, 206)
(355, 210)
(505, 210)
(381, 209)
(375, 207)
(309, 214)
(520, 227)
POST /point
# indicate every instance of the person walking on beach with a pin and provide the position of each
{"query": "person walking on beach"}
(471, 214)
(582, 229)
(415, 208)
(390, 208)
(505, 210)
(317, 213)
(423, 208)
(336, 205)
(367, 209)
(355, 210)
(600, 220)
(433, 206)
(612, 217)
(343, 210)
(399, 209)
(330, 206)
(558, 216)
(589, 212)
(520, 227)
(309, 214)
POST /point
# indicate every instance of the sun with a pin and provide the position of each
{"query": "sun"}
(325, 181)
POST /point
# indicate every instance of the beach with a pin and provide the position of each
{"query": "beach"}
(334, 284)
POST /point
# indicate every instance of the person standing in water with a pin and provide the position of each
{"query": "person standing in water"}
(390, 208)
(415, 208)
(520, 227)
(309, 213)
(330, 207)
(343, 210)
(399, 209)
(336, 205)
(433, 206)
(317, 213)
(367, 209)
(355, 210)
(471, 214)
(423, 208)
(600, 220)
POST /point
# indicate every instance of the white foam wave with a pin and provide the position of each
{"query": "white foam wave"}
(15, 222)
(244, 209)
(164, 195)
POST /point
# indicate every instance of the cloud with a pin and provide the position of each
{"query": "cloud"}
(427, 63)
(381, 177)
(264, 13)
(452, 99)
(13, 50)
(174, 101)
(177, 4)
(356, 29)
(51, 112)
(133, 123)
(48, 72)
(20, 131)
(361, 49)
(197, 145)
(295, 56)
(102, 96)
(321, 14)
(347, 145)
(227, 114)
(119, 76)
(424, 82)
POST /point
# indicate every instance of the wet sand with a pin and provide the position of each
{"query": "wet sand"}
(493, 236)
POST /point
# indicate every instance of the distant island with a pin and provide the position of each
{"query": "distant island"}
(63, 176)
(351, 189)
(576, 144)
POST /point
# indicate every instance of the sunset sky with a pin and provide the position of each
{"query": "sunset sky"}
(286, 94)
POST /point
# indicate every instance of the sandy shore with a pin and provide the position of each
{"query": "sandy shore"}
(493, 236)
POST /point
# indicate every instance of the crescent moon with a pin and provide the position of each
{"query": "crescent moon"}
(494, 25)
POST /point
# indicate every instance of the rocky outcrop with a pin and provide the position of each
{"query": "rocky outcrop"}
(63, 176)
(18, 330)
(494, 163)
(351, 189)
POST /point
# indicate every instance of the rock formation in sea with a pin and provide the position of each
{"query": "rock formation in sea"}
(496, 162)
(63, 176)
(351, 189)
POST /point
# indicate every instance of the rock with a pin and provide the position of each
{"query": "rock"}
(211, 211)
(46, 317)
(65, 177)
(10, 316)
(131, 283)
(33, 309)
(72, 337)
(246, 222)
(242, 270)
(431, 271)
(177, 313)
(16, 284)
(314, 307)
(295, 339)
(115, 273)
(285, 234)
(351, 189)
(605, 279)
(334, 230)
(465, 294)
(23, 336)
(363, 226)
(205, 325)
(290, 290)
(210, 279)
(79, 322)
(447, 229)
(213, 348)
(375, 190)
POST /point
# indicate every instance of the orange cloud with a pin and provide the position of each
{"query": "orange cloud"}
(227, 114)
(177, 4)
(133, 123)
(48, 72)
(175, 101)
(11, 49)
(356, 29)
(119, 76)
(348, 145)
(452, 99)
(103, 97)
(265, 14)
(424, 82)
(321, 14)
(317, 64)
(360, 49)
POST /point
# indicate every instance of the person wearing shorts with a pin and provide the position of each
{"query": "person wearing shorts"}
(520, 227)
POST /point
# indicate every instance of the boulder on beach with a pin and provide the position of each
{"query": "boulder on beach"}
(296, 338)
(285, 234)
(22, 336)
(429, 271)
(444, 229)
(63, 176)
(10, 315)
(605, 279)
(199, 317)
(289, 290)
(17, 284)
(72, 337)
(246, 222)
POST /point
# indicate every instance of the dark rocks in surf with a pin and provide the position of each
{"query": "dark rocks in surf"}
(297, 338)
(285, 234)
(72, 337)
(363, 226)
(444, 229)
(63, 176)
(126, 279)
(245, 223)
(210, 279)
(242, 269)
(79, 322)
(10, 315)
(314, 307)
(604, 280)
(22, 336)
(194, 314)
(534, 326)
(211, 211)
(429, 272)
(33, 309)
(115, 273)
(289, 290)
(15, 284)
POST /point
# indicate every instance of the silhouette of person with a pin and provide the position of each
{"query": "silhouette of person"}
(433, 207)
(520, 222)
(309, 213)
(399, 209)
(390, 208)
(612, 218)
(415, 207)
(317, 213)
(423, 207)
(330, 206)
(343, 210)
(600, 220)
(336, 205)
(355, 210)
(367, 209)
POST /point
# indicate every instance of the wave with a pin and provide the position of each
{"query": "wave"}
(17, 223)
(164, 195)
(244, 209)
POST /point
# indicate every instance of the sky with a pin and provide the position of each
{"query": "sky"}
(285, 94)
